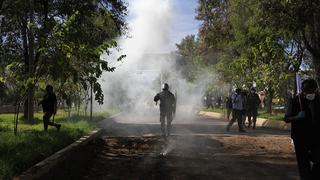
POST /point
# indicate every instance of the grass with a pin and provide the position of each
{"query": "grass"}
(261, 113)
(215, 109)
(32, 144)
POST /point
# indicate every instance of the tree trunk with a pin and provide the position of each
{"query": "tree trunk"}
(316, 62)
(270, 94)
(91, 99)
(31, 88)
(30, 115)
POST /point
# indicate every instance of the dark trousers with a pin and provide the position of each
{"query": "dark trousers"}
(165, 115)
(308, 159)
(252, 116)
(228, 113)
(46, 120)
(236, 115)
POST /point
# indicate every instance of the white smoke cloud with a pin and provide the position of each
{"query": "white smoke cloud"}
(148, 64)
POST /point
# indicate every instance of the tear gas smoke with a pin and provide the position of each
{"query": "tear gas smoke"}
(148, 64)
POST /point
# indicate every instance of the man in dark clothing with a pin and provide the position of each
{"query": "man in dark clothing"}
(167, 107)
(253, 102)
(237, 110)
(304, 115)
(49, 107)
(228, 106)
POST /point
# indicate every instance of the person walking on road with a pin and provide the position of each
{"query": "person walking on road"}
(228, 106)
(253, 102)
(167, 108)
(304, 115)
(49, 107)
(237, 110)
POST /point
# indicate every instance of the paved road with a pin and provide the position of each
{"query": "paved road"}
(199, 148)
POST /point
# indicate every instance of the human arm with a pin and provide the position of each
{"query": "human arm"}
(293, 112)
(258, 100)
(156, 98)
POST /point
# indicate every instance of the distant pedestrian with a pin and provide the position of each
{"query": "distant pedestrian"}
(252, 105)
(209, 100)
(49, 107)
(167, 108)
(304, 115)
(244, 94)
(228, 106)
(237, 110)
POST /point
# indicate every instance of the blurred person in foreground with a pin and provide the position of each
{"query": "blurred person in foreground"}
(167, 108)
(49, 107)
(304, 115)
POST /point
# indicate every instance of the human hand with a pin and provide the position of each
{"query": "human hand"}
(300, 115)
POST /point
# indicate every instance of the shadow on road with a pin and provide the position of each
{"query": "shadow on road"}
(198, 149)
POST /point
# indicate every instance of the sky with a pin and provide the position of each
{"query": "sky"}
(184, 22)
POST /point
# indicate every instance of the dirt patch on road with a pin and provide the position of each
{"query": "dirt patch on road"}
(184, 158)
(254, 145)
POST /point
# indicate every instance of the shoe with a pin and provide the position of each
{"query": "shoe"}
(58, 126)
(242, 130)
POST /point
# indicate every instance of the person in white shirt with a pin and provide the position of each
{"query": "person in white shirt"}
(237, 110)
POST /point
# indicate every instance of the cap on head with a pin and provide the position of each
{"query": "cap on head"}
(165, 86)
(309, 85)
(49, 88)
(253, 89)
(238, 90)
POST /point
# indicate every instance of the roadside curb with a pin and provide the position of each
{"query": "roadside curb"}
(261, 122)
(43, 167)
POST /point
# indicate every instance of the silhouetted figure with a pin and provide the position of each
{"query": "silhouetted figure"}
(228, 106)
(219, 102)
(49, 107)
(244, 94)
(209, 100)
(237, 110)
(253, 102)
(304, 115)
(167, 107)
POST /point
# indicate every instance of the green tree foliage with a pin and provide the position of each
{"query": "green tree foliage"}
(300, 19)
(189, 60)
(246, 49)
(215, 32)
(59, 40)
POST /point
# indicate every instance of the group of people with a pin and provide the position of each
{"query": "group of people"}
(243, 105)
(212, 101)
(303, 114)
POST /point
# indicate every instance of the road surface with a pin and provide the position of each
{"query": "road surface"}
(199, 148)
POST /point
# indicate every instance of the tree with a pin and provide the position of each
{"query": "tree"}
(189, 61)
(59, 40)
(215, 32)
(300, 18)
(252, 52)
